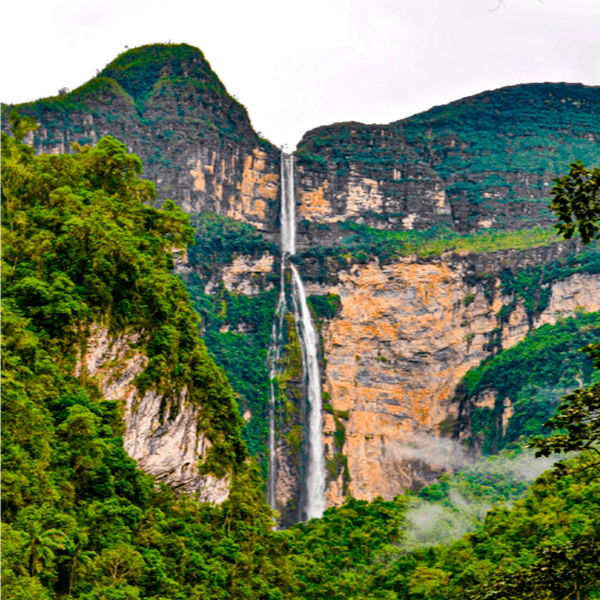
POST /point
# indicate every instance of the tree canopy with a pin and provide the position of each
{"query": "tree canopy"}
(83, 245)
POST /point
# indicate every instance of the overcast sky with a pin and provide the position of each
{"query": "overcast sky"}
(297, 65)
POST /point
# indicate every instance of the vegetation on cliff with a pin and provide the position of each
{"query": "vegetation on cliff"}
(140, 78)
(492, 156)
(81, 245)
(236, 327)
(533, 375)
(364, 243)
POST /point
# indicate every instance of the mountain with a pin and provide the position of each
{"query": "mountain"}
(486, 161)
(168, 106)
(109, 394)
(417, 242)
(155, 385)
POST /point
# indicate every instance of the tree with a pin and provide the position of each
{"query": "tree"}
(577, 205)
(565, 571)
(40, 547)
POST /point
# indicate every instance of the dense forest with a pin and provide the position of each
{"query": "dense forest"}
(83, 245)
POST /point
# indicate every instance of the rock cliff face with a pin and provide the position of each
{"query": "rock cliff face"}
(477, 163)
(481, 162)
(167, 105)
(406, 334)
(406, 331)
(165, 441)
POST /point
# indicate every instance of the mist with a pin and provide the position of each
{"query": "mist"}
(461, 511)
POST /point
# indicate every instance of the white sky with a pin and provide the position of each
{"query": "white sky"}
(297, 65)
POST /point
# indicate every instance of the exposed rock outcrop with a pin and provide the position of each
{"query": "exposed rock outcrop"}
(246, 275)
(167, 105)
(406, 334)
(164, 440)
(486, 161)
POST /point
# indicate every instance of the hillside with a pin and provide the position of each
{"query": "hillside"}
(486, 161)
(83, 252)
(166, 105)
(155, 380)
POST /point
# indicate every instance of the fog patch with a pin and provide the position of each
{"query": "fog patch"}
(461, 510)
(440, 454)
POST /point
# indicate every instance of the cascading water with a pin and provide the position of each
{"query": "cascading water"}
(274, 356)
(315, 478)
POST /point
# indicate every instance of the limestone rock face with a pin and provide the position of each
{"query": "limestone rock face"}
(241, 183)
(469, 165)
(167, 106)
(327, 196)
(406, 334)
(580, 291)
(168, 448)
(246, 275)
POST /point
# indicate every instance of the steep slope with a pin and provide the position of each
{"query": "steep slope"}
(518, 390)
(483, 161)
(96, 328)
(168, 106)
(404, 230)
(407, 331)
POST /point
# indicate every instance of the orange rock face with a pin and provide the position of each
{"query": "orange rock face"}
(256, 189)
(240, 186)
(405, 336)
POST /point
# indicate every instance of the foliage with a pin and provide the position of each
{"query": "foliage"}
(577, 202)
(362, 550)
(503, 477)
(578, 417)
(365, 243)
(324, 307)
(563, 571)
(366, 549)
(138, 70)
(236, 327)
(219, 240)
(533, 374)
(330, 555)
(82, 247)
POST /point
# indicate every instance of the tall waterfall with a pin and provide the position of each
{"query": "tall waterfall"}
(315, 477)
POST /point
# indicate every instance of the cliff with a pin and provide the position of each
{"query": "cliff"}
(168, 444)
(399, 331)
(486, 161)
(405, 335)
(481, 162)
(168, 106)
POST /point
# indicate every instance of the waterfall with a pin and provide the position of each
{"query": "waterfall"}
(274, 356)
(288, 247)
(315, 477)
(315, 480)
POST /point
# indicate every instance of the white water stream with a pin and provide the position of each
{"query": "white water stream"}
(315, 477)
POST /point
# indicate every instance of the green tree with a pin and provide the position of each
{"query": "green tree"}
(40, 547)
(563, 572)
(577, 202)
(80, 557)
(84, 247)
(577, 205)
